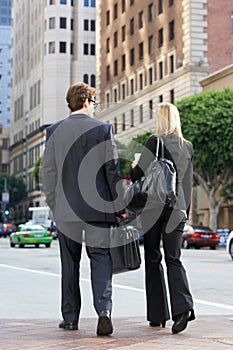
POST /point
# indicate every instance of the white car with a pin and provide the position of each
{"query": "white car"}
(229, 245)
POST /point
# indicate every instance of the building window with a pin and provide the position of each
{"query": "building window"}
(52, 23)
(151, 109)
(132, 118)
(52, 2)
(160, 38)
(92, 25)
(140, 51)
(63, 22)
(132, 57)
(93, 80)
(171, 2)
(108, 100)
(131, 86)
(107, 18)
(171, 30)
(171, 61)
(115, 95)
(150, 75)
(140, 81)
(132, 26)
(71, 24)
(115, 10)
(115, 39)
(150, 45)
(71, 48)
(115, 68)
(172, 96)
(160, 6)
(123, 33)
(140, 20)
(160, 70)
(123, 122)
(63, 2)
(92, 3)
(115, 125)
(107, 45)
(52, 47)
(86, 3)
(160, 98)
(71, 2)
(123, 63)
(86, 24)
(108, 73)
(123, 91)
(62, 47)
(85, 49)
(131, 2)
(150, 12)
(92, 49)
(85, 78)
(141, 113)
(122, 6)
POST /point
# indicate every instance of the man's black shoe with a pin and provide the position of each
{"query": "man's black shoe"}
(104, 323)
(68, 326)
(181, 321)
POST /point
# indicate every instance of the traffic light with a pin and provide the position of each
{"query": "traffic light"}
(6, 212)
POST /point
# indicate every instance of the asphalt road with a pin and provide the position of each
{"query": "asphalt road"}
(30, 284)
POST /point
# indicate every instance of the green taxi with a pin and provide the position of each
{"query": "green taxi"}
(31, 234)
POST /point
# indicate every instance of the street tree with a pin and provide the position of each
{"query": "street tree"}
(15, 186)
(207, 121)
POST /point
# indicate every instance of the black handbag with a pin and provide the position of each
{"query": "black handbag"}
(156, 188)
(124, 248)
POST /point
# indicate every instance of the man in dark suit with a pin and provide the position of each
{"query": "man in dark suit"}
(82, 183)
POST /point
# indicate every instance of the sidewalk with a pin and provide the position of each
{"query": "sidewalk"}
(205, 333)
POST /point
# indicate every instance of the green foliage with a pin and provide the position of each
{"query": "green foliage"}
(207, 121)
(16, 187)
(134, 146)
(36, 172)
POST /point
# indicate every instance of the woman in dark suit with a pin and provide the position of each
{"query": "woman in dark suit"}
(167, 223)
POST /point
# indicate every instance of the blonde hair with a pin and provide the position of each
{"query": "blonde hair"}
(167, 120)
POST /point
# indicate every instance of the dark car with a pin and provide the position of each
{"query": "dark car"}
(199, 236)
(6, 229)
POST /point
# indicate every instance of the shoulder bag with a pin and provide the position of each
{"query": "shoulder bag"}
(156, 188)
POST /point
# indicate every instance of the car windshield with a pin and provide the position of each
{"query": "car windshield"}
(202, 228)
(31, 228)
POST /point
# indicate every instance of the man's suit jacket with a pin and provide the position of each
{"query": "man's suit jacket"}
(80, 172)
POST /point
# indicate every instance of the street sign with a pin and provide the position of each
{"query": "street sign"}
(5, 197)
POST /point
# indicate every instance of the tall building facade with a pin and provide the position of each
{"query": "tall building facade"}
(153, 51)
(53, 47)
(5, 62)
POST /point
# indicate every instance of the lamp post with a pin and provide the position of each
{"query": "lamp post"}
(5, 200)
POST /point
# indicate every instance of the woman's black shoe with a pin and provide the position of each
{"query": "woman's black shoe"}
(181, 321)
(158, 324)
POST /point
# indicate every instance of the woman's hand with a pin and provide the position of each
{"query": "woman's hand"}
(134, 163)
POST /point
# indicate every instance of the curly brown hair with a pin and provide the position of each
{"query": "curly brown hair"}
(77, 94)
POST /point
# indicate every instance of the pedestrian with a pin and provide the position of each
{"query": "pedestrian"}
(82, 183)
(167, 223)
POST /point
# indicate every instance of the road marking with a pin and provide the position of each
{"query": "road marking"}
(119, 286)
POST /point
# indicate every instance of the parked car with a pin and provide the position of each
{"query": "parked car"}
(31, 234)
(199, 236)
(229, 244)
(6, 229)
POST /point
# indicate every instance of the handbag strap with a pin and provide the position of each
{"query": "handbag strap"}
(160, 144)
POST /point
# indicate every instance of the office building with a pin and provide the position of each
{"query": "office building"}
(5, 62)
(153, 51)
(53, 47)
